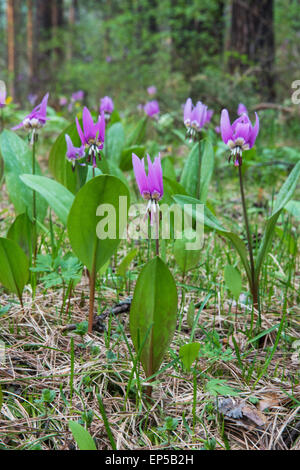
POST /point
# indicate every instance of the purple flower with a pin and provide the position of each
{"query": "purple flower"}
(151, 90)
(195, 117)
(108, 58)
(242, 109)
(92, 136)
(32, 98)
(37, 118)
(208, 116)
(77, 95)
(240, 135)
(2, 94)
(151, 108)
(63, 101)
(73, 153)
(106, 105)
(151, 186)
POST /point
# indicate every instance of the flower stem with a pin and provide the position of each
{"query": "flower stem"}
(198, 191)
(34, 201)
(254, 284)
(157, 231)
(92, 299)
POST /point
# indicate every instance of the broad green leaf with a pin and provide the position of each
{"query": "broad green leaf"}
(82, 437)
(283, 197)
(207, 167)
(17, 156)
(1, 170)
(186, 259)
(126, 262)
(293, 207)
(190, 173)
(108, 167)
(59, 198)
(233, 280)
(189, 206)
(188, 354)
(126, 156)
(191, 315)
(114, 143)
(83, 220)
(154, 303)
(219, 387)
(60, 167)
(137, 135)
(14, 267)
(21, 232)
(90, 175)
(168, 169)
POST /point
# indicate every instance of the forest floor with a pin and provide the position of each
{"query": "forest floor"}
(241, 394)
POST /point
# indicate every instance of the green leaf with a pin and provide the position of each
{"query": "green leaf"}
(126, 262)
(137, 135)
(191, 315)
(21, 232)
(284, 195)
(59, 198)
(60, 167)
(154, 304)
(83, 220)
(189, 176)
(14, 267)
(114, 143)
(188, 354)
(186, 259)
(189, 206)
(233, 280)
(126, 156)
(168, 169)
(1, 171)
(82, 437)
(207, 168)
(219, 387)
(17, 157)
(293, 207)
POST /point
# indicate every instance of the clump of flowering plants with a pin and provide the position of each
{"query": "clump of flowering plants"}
(240, 136)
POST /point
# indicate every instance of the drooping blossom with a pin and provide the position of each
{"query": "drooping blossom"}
(106, 105)
(32, 98)
(92, 136)
(209, 114)
(2, 94)
(151, 90)
(108, 59)
(37, 118)
(242, 109)
(151, 185)
(194, 117)
(240, 135)
(77, 95)
(73, 153)
(63, 101)
(151, 108)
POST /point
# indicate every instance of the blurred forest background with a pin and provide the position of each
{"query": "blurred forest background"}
(222, 52)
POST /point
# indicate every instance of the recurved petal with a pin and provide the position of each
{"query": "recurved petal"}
(140, 174)
(187, 111)
(226, 130)
(254, 132)
(89, 127)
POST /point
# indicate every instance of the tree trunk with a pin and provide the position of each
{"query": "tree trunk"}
(30, 42)
(252, 35)
(11, 65)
